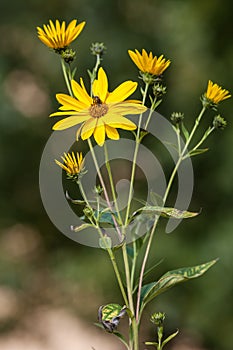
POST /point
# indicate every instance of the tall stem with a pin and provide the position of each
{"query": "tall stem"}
(197, 121)
(112, 183)
(135, 156)
(67, 80)
(104, 189)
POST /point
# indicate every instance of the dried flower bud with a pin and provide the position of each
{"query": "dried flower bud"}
(159, 90)
(177, 117)
(98, 49)
(219, 122)
(68, 55)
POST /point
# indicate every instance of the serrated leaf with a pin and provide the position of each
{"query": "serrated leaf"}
(81, 227)
(198, 151)
(167, 212)
(171, 278)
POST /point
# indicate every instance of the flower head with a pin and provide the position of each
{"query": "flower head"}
(57, 36)
(214, 95)
(101, 114)
(149, 63)
(72, 164)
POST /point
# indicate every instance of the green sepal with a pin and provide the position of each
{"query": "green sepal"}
(171, 278)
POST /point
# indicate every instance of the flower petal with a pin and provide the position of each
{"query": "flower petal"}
(123, 91)
(100, 85)
(88, 128)
(126, 107)
(118, 121)
(99, 133)
(80, 93)
(70, 103)
(112, 133)
(68, 122)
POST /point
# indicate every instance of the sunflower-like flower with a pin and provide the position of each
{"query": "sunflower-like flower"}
(214, 95)
(72, 164)
(57, 36)
(147, 63)
(101, 114)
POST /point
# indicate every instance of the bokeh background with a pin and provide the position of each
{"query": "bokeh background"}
(51, 287)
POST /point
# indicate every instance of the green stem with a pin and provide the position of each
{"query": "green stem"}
(67, 80)
(197, 121)
(94, 72)
(104, 189)
(135, 156)
(134, 341)
(109, 250)
(112, 183)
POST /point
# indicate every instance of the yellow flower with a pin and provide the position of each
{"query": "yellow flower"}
(149, 64)
(215, 93)
(72, 164)
(101, 114)
(57, 36)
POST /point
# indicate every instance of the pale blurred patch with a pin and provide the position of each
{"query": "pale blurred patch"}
(9, 305)
(27, 94)
(19, 241)
(57, 329)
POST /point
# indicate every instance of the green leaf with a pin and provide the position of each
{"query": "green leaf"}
(104, 217)
(130, 252)
(154, 343)
(171, 278)
(198, 151)
(170, 337)
(122, 338)
(185, 131)
(167, 212)
(105, 242)
(81, 227)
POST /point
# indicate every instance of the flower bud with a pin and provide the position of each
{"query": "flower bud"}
(158, 318)
(98, 49)
(177, 117)
(68, 55)
(219, 122)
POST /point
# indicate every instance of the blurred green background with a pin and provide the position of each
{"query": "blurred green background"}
(39, 266)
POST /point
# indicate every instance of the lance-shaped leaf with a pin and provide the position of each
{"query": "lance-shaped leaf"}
(167, 212)
(171, 278)
(80, 228)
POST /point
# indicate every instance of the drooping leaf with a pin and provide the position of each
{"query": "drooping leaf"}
(167, 212)
(171, 278)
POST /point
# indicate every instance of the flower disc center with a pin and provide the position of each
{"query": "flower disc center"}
(98, 109)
